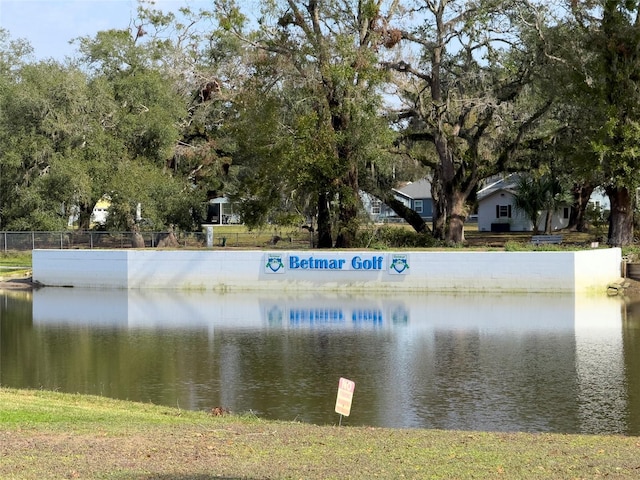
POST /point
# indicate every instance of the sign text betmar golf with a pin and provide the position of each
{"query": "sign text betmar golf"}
(345, 396)
(324, 263)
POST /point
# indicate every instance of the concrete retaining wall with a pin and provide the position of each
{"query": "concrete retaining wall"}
(580, 271)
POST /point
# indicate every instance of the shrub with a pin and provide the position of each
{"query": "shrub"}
(394, 237)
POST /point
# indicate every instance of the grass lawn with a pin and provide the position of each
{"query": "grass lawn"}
(15, 265)
(15, 259)
(53, 435)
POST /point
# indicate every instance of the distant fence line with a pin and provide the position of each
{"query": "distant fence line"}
(22, 241)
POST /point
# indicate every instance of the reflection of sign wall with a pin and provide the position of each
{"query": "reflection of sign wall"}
(345, 396)
(335, 315)
(280, 263)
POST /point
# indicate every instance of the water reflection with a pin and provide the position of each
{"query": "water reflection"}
(479, 362)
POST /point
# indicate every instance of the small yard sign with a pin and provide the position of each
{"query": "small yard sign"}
(345, 395)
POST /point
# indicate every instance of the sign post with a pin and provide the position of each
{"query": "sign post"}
(344, 398)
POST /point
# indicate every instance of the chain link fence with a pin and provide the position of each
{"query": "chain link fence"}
(21, 241)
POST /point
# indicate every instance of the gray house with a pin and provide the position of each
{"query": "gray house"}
(415, 195)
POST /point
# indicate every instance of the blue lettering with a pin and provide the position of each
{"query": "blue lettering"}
(336, 264)
(375, 263)
(321, 263)
(357, 263)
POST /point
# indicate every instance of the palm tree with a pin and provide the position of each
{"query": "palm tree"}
(556, 196)
(529, 198)
(535, 195)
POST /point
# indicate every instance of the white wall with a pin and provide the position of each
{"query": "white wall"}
(219, 270)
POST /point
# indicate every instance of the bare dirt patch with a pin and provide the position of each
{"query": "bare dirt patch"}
(18, 284)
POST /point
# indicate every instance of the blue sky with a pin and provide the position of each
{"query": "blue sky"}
(49, 25)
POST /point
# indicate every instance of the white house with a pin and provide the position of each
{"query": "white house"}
(497, 211)
(600, 199)
(221, 211)
(100, 211)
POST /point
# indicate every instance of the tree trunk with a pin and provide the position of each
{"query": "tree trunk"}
(457, 218)
(439, 224)
(347, 224)
(84, 217)
(169, 240)
(535, 219)
(349, 202)
(581, 196)
(439, 221)
(137, 240)
(548, 221)
(412, 217)
(621, 218)
(324, 222)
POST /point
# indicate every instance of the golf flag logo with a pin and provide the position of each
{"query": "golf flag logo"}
(399, 264)
(274, 264)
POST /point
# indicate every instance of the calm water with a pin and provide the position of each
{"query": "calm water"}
(536, 363)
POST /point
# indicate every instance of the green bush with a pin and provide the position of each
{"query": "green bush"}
(631, 253)
(394, 237)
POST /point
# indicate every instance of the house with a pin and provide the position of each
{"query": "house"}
(497, 211)
(600, 200)
(220, 211)
(100, 211)
(415, 195)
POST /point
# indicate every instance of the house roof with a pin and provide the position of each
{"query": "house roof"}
(413, 190)
(507, 183)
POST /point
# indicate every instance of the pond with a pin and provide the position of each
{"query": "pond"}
(534, 363)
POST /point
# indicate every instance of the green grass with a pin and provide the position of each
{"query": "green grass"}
(53, 435)
(56, 411)
(15, 259)
(15, 264)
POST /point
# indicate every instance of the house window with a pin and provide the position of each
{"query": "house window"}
(565, 213)
(376, 207)
(417, 206)
(503, 211)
